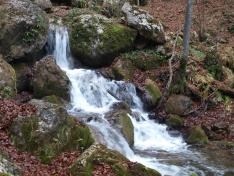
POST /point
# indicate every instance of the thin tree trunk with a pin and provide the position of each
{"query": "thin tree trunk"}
(186, 38)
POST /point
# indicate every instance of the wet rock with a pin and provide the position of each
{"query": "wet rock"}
(197, 136)
(23, 76)
(49, 132)
(120, 119)
(175, 121)
(152, 94)
(44, 4)
(144, 23)
(24, 28)
(229, 173)
(7, 80)
(178, 104)
(99, 155)
(49, 79)
(96, 40)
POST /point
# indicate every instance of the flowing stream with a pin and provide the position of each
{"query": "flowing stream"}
(92, 96)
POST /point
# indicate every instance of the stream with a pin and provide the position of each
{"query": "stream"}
(92, 96)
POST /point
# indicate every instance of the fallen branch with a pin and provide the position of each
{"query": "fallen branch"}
(165, 93)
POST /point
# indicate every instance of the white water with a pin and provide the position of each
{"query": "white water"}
(93, 94)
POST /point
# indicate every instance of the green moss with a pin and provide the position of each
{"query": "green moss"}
(175, 121)
(53, 99)
(153, 90)
(115, 160)
(198, 54)
(127, 127)
(197, 136)
(33, 32)
(214, 66)
(4, 174)
(145, 59)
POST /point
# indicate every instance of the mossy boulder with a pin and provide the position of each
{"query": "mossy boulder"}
(23, 76)
(122, 70)
(175, 121)
(197, 136)
(55, 100)
(7, 80)
(24, 28)
(148, 27)
(49, 79)
(152, 93)
(145, 59)
(49, 132)
(44, 4)
(178, 104)
(120, 119)
(119, 165)
(96, 40)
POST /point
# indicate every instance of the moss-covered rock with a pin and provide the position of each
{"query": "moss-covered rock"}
(120, 119)
(24, 28)
(49, 132)
(178, 104)
(55, 100)
(49, 79)
(145, 59)
(152, 93)
(96, 40)
(175, 121)
(44, 4)
(120, 166)
(7, 80)
(148, 27)
(197, 136)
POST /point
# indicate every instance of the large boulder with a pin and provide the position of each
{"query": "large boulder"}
(197, 136)
(178, 104)
(102, 161)
(49, 132)
(49, 79)
(96, 40)
(7, 80)
(44, 4)
(144, 23)
(23, 29)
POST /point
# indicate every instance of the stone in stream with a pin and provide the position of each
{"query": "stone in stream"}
(197, 136)
(7, 80)
(24, 29)
(49, 132)
(96, 40)
(98, 155)
(49, 79)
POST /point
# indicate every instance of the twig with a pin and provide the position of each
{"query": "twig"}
(171, 72)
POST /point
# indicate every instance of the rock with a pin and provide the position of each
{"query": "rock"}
(122, 70)
(175, 121)
(144, 23)
(231, 130)
(229, 173)
(197, 136)
(96, 40)
(55, 100)
(152, 94)
(99, 155)
(7, 80)
(49, 79)
(178, 104)
(44, 4)
(23, 76)
(7, 167)
(24, 28)
(120, 119)
(49, 132)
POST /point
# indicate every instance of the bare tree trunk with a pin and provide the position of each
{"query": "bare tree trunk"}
(186, 38)
(179, 81)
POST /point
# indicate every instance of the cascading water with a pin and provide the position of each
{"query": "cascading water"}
(93, 95)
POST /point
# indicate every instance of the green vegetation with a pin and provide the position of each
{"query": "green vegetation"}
(197, 136)
(145, 59)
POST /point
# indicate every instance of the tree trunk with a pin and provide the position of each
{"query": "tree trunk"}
(179, 81)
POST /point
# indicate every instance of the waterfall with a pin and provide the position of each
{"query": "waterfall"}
(92, 95)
